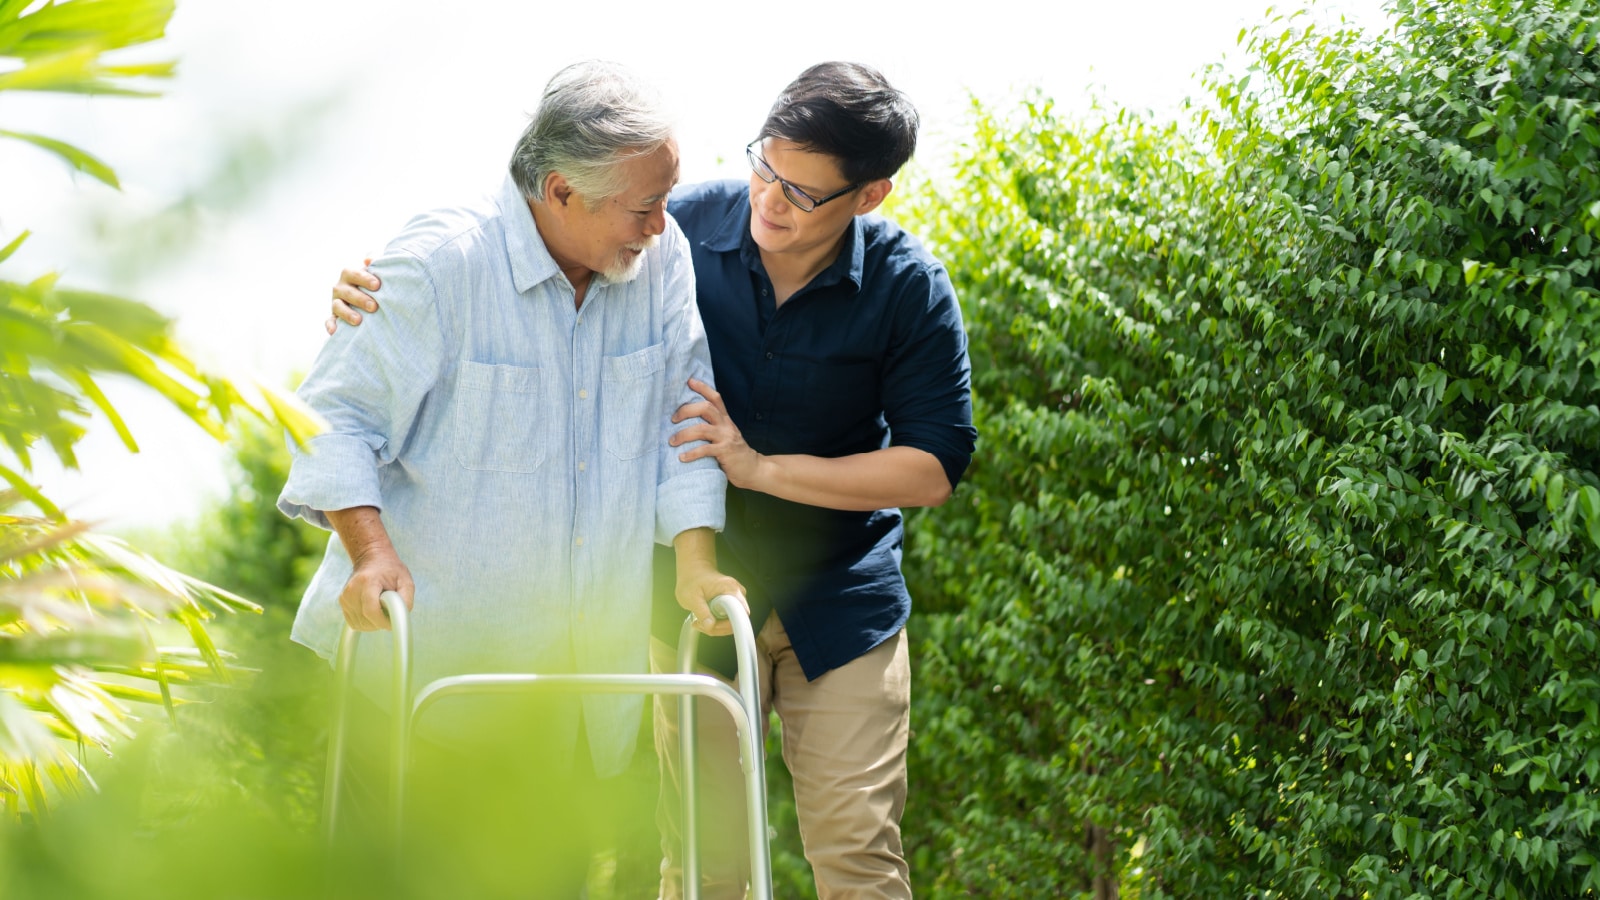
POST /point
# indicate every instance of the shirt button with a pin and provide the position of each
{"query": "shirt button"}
(580, 542)
(763, 292)
(760, 416)
(769, 354)
(583, 466)
(583, 395)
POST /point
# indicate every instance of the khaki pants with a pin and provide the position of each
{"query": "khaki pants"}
(844, 742)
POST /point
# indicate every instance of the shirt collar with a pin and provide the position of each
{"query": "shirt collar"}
(853, 255)
(531, 262)
(733, 233)
(734, 229)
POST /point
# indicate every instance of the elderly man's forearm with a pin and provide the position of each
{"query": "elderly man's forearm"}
(361, 530)
(696, 548)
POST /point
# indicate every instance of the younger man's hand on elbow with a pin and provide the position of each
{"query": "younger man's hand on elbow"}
(376, 571)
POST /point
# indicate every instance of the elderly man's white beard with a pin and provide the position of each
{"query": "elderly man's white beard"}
(623, 269)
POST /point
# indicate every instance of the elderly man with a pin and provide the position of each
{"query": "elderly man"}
(498, 442)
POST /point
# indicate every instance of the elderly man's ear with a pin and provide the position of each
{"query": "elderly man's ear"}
(557, 192)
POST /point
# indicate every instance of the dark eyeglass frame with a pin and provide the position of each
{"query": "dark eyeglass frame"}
(801, 199)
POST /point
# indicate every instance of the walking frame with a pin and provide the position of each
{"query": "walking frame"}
(742, 704)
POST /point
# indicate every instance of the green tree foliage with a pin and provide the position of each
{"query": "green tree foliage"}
(1275, 575)
(78, 610)
(240, 541)
(259, 745)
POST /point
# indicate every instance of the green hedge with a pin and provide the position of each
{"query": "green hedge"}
(1275, 575)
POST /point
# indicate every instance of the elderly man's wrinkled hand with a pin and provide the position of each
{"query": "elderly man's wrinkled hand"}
(696, 590)
(374, 573)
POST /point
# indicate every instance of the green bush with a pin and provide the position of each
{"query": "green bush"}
(260, 744)
(1275, 575)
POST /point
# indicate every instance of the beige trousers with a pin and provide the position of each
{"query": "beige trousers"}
(844, 742)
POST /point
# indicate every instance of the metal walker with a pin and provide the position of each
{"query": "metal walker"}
(743, 704)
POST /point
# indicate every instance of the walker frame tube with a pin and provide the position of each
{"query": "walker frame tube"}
(742, 704)
(752, 749)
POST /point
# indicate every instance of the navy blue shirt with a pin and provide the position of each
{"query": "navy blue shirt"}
(870, 354)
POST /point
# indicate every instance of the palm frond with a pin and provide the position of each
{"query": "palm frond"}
(75, 644)
(77, 608)
(68, 26)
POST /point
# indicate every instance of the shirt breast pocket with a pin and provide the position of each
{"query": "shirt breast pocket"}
(501, 422)
(631, 394)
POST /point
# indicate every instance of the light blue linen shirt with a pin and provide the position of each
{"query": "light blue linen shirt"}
(517, 447)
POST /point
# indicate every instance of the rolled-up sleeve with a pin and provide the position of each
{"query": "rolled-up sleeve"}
(688, 494)
(368, 383)
(927, 381)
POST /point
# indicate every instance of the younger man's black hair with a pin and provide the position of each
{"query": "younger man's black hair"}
(850, 112)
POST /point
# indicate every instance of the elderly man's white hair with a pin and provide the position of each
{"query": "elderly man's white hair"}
(594, 116)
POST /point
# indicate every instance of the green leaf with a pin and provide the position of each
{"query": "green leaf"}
(1589, 507)
(7, 250)
(77, 72)
(74, 157)
(86, 384)
(1527, 128)
(128, 320)
(142, 695)
(100, 25)
(29, 492)
(301, 421)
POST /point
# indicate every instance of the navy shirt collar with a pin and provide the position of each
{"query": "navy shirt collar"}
(733, 233)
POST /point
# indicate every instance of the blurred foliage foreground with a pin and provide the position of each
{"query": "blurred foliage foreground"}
(1275, 575)
(89, 626)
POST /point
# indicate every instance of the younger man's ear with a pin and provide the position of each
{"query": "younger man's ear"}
(872, 195)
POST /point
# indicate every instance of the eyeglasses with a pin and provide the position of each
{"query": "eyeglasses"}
(799, 198)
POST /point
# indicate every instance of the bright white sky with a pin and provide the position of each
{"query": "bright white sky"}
(424, 101)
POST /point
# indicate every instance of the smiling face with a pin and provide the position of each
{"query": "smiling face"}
(610, 237)
(778, 226)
